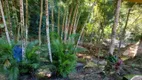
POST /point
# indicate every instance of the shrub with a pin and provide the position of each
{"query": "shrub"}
(10, 66)
(64, 57)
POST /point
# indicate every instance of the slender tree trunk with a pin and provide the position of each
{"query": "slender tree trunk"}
(9, 19)
(124, 30)
(26, 22)
(76, 23)
(88, 19)
(52, 16)
(77, 16)
(66, 26)
(63, 26)
(47, 30)
(58, 20)
(73, 19)
(115, 25)
(22, 28)
(22, 17)
(40, 22)
(5, 26)
(69, 21)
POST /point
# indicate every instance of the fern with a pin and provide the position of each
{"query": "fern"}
(64, 57)
(10, 66)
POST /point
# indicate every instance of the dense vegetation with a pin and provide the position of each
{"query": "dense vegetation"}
(43, 38)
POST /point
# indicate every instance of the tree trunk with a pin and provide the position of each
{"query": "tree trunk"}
(58, 20)
(69, 21)
(22, 17)
(88, 18)
(76, 23)
(66, 26)
(124, 30)
(40, 23)
(26, 22)
(5, 26)
(47, 30)
(22, 28)
(73, 20)
(116, 21)
(52, 15)
(63, 26)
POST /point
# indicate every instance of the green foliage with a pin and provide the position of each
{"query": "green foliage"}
(101, 20)
(113, 64)
(112, 59)
(10, 66)
(31, 61)
(31, 49)
(13, 72)
(63, 57)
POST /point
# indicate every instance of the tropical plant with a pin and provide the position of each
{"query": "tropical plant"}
(31, 61)
(64, 56)
(8, 63)
(11, 67)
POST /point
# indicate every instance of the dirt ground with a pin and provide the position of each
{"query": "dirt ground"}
(91, 67)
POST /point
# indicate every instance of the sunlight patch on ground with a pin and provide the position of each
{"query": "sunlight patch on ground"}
(131, 51)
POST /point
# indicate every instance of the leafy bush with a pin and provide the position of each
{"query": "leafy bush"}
(31, 60)
(64, 57)
(10, 66)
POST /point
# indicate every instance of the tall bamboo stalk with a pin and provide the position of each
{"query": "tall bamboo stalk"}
(63, 26)
(22, 17)
(69, 21)
(76, 23)
(58, 20)
(40, 22)
(5, 26)
(26, 22)
(47, 31)
(66, 26)
(52, 16)
(22, 28)
(72, 22)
